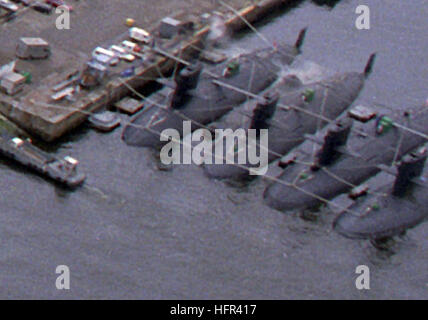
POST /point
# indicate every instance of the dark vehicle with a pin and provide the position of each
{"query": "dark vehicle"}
(42, 7)
(206, 96)
(373, 144)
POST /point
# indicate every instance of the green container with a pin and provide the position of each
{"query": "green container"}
(28, 76)
(233, 67)
(384, 125)
(375, 206)
(308, 95)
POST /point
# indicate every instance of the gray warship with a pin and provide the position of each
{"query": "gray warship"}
(290, 110)
(204, 97)
(376, 142)
(24, 152)
(392, 209)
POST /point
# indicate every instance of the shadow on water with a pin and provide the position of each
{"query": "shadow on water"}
(388, 252)
(328, 3)
(65, 142)
(277, 14)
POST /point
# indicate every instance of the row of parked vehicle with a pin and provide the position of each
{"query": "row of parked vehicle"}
(127, 50)
(45, 7)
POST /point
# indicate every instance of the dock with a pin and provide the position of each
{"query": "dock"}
(36, 111)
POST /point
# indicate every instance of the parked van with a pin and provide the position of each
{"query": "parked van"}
(105, 56)
(139, 35)
(122, 53)
(32, 48)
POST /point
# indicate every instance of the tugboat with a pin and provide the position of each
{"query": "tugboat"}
(392, 209)
(61, 170)
(300, 110)
(377, 142)
(206, 96)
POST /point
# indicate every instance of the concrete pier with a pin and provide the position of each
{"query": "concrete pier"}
(34, 110)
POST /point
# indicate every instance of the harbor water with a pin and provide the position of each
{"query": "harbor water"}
(133, 231)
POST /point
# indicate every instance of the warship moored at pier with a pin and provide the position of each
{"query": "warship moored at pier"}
(204, 97)
(337, 169)
(391, 209)
(292, 109)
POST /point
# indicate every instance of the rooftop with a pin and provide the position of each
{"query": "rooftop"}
(34, 41)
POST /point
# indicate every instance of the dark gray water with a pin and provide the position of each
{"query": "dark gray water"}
(135, 232)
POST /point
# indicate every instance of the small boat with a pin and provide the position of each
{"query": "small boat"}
(62, 170)
(104, 121)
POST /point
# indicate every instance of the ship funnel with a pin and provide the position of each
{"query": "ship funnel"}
(411, 166)
(369, 66)
(264, 111)
(187, 79)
